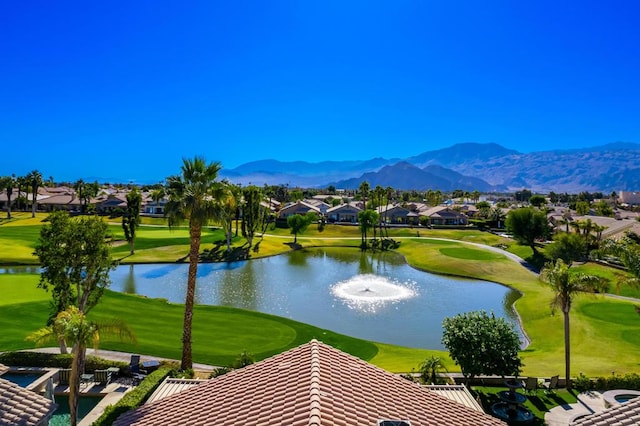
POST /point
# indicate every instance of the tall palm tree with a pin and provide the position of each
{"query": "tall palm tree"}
(565, 287)
(7, 183)
(191, 197)
(156, 196)
(73, 326)
(35, 181)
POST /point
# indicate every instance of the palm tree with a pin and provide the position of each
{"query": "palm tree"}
(35, 181)
(7, 183)
(430, 368)
(73, 326)
(191, 198)
(565, 287)
(156, 196)
(364, 193)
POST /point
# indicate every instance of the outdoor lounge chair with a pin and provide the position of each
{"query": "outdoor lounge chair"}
(102, 377)
(134, 364)
(551, 385)
(63, 376)
(531, 384)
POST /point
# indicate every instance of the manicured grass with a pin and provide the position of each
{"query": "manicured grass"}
(592, 328)
(469, 253)
(219, 333)
(613, 275)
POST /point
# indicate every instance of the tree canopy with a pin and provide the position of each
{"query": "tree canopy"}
(75, 259)
(298, 224)
(482, 344)
(526, 225)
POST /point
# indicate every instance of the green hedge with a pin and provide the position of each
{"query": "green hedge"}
(133, 398)
(38, 359)
(628, 381)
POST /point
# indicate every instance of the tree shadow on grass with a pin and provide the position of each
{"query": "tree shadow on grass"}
(219, 253)
(294, 246)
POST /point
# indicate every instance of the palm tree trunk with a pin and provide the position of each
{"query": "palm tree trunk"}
(567, 350)
(195, 232)
(77, 369)
(8, 205)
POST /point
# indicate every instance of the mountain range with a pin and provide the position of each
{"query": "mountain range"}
(467, 166)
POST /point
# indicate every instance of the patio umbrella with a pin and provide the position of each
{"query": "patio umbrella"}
(48, 390)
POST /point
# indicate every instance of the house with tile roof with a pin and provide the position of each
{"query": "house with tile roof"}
(299, 207)
(312, 384)
(344, 213)
(19, 406)
(625, 414)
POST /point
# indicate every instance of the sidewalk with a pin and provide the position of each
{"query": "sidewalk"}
(564, 415)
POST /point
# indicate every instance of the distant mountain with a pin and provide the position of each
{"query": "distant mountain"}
(461, 153)
(485, 167)
(300, 173)
(407, 176)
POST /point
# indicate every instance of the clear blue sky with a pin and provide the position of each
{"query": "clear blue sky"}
(125, 89)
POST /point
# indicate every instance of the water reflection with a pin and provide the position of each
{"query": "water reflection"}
(130, 281)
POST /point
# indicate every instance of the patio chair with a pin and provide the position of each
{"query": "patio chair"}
(551, 385)
(63, 376)
(134, 364)
(102, 377)
(531, 385)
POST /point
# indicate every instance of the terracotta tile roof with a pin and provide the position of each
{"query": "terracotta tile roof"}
(19, 406)
(313, 384)
(625, 414)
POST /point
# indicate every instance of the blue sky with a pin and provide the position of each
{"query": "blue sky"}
(124, 90)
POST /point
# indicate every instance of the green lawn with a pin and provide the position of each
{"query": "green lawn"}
(538, 402)
(220, 333)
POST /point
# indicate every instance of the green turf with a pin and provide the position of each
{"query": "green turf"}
(470, 254)
(538, 402)
(596, 323)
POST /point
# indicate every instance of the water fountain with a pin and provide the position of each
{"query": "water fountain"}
(510, 408)
(369, 293)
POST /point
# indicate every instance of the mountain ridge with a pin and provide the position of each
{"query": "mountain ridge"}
(608, 167)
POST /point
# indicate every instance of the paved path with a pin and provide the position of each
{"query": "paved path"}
(563, 415)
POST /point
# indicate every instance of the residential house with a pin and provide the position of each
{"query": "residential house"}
(19, 406)
(625, 414)
(321, 205)
(442, 215)
(299, 207)
(106, 204)
(313, 384)
(343, 213)
(630, 198)
(396, 214)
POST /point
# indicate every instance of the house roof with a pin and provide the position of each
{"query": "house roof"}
(349, 207)
(171, 386)
(625, 414)
(19, 406)
(458, 393)
(313, 384)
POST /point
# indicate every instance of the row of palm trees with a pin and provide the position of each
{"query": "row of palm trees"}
(30, 182)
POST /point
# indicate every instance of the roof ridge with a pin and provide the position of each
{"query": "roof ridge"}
(314, 387)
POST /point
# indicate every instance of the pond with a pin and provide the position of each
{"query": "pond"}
(372, 296)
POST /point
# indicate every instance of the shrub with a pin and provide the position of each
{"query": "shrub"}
(39, 359)
(134, 398)
(627, 381)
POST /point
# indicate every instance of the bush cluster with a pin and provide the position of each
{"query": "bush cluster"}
(38, 359)
(133, 398)
(627, 381)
